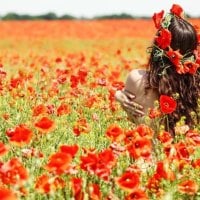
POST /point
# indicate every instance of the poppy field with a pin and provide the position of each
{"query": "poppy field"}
(63, 136)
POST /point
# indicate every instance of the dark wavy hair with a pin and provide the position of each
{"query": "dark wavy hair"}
(162, 75)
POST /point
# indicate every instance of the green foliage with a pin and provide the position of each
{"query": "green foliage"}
(53, 16)
(47, 16)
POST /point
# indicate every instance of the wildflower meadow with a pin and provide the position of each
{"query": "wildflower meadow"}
(63, 136)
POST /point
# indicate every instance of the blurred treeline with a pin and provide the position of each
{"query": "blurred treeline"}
(53, 16)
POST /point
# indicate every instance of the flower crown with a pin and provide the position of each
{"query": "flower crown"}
(182, 63)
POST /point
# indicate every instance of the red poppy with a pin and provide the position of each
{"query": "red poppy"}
(81, 126)
(167, 104)
(58, 60)
(128, 181)
(141, 147)
(89, 162)
(157, 18)
(40, 109)
(15, 82)
(43, 184)
(170, 152)
(130, 135)
(177, 10)
(82, 74)
(112, 95)
(115, 132)
(3, 149)
(196, 163)
(72, 150)
(144, 131)
(183, 152)
(20, 135)
(46, 184)
(165, 137)
(107, 157)
(77, 185)
(163, 40)
(163, 170)
(90, 101)
(154, 113)
(94, 192)
(61, 75)
(59, 163)
(63, 109)
(13, 172)
(118, 85)
(45, 124)
(154, 182)
(99, 164)
(137, 195)
(189, 187)
(74, 81)
(6, 194)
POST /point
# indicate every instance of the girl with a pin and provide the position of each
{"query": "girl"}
(174, 65)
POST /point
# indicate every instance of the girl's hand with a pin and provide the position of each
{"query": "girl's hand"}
(127, 102)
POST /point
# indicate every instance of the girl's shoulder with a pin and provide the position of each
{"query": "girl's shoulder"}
(136, 74)
(136, 78)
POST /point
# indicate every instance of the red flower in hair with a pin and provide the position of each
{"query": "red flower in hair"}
(177, 10)
(190, 67)
(163, 40)
(174, 56)
(167, 104)
(157, 18)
